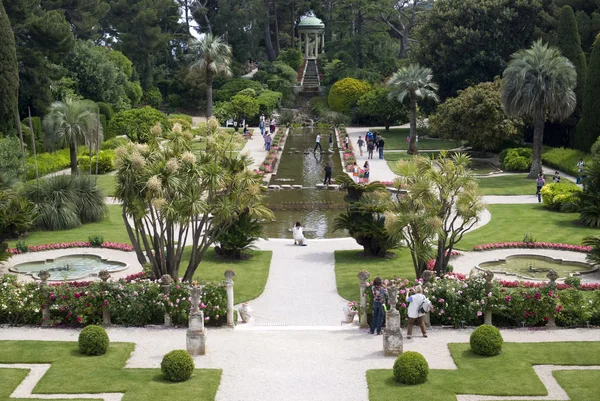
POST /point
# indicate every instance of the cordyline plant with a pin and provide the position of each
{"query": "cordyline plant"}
(172, 198)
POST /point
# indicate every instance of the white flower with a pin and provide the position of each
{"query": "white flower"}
(172, 165)
(177, 128)
(188, 158)
(154, 184)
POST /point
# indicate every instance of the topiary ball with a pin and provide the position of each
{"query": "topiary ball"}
(411, 368)
(93, 340)
(486, 340)
(177, 366)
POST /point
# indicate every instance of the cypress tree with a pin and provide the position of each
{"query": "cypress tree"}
(9, 75)
(589, 126)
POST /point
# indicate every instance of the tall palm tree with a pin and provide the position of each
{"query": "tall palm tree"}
(71, 122)
(413, 82)
(212, 57)
(539, 84)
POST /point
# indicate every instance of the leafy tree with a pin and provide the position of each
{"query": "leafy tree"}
(171, 198)
(589, 127)
(468, 41)
(292, 57)
(244, 106)
(71, 122)
(136, 123)
(442, 201)
(9, 76)
(212, 57)
(413, 83)
(403, 16)
(364, 217)
(477, 115)
(83, 15)
(539, 83)
(11, 161)
(345, 93)
(377, 106)
(588, 203)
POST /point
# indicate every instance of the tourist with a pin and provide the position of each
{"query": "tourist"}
(370, 136)
(298, 234)
(268, 141)
(247, 132)
(272, 126)
(370, 148)
(355, 173)
(556, 177)
(346, 142)
(330, 141)
(580, 166)
(318, 143)
(380, 146)
(415, 302)
(379, 294)
(360, 144)
(539, 183)
(235, 126)
(328, 170)
(366, 170)
(261, 124)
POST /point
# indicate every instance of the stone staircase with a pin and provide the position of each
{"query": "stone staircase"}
(310, 80)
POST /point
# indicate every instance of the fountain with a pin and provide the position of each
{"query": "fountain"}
(535, 267)
(70, 267)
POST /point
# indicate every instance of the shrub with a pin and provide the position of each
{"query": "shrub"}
(557, 196)
(234, 86)
(411, 368)
(106, 110)
(137, 123)
(486, 340)
(106, 162)
(345, 93)
(564, 159)
(181, 117)
(93, 340)
(152, 97)
(11, 161)
(185, 125)
(174, 100)
(114, 143)
(177, 366)
(22, 246)
(96, 240)
(292, 57)
(573, 281)
(517, 159)
(240, 236)
(267, 101)
(49, 162)
(595, 150)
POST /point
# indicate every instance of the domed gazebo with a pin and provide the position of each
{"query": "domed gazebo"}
(313, 30)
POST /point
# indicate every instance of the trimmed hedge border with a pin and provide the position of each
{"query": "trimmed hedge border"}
(532, 245)
(77, 244)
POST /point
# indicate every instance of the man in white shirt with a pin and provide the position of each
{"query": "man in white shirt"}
(318, 143)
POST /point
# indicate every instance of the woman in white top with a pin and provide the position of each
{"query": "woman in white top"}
(298, 234)
(416, 300)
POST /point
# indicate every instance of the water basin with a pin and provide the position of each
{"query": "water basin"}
(71, 267)
(536, 266)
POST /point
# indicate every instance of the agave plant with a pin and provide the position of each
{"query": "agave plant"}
(240, 236)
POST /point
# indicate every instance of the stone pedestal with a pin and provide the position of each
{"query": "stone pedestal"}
(427, 277)
(44, 275)
(487, 317)
(106, 316)
(363, 276)
(196, 333)
(487, 314)
(392, 334)
(165, 283)
(229, 275)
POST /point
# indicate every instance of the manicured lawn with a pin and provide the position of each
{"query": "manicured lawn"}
(507, 374)
(482, 167)
(108, 183)
(74, 373)
(517, 184)
(112, 228)
(349, 263)
(511, 222)
(251, 274)
(396, 139)
(392, 159)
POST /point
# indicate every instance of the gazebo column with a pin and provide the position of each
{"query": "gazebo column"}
(306, 45)
(316, 44)
(322, 42)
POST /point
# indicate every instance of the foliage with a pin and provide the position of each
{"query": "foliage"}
(239, 237)
(378, 109)
(114, 143)
(93, 340)
(464, 40)
(589, 200)
(594, 243)
(48, 162)
(477, 115)
(557, 196)
(17, 215)
(11, 161)
(183, 117)
(486, 340)
(9, 76)
(106, 110)
(152, 97)
(96, 240)
(292, 57)
(136, 123)
(564, 159)
(105, 162)
(411, 368)
(38, 134)
(233, 86)
(364, 216)
(344, 94)
(517, 159)
(177, 366)
(589, 126)
(66, 201)
(538, 84)
(167, 192)
(268, 101)
(244, 106)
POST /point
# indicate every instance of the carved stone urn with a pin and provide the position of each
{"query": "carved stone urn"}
(245, 311)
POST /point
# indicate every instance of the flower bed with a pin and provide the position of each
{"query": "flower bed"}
(532, 245)
(270, 161)
(77, 244)
(134, 301)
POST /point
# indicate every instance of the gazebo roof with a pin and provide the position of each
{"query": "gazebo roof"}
(311, 22)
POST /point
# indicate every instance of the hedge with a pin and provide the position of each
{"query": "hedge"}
(564, 159)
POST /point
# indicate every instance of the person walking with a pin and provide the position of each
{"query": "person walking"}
(268, 141)
(380, 146)
(366, 172)
(330, 141)
(379, 294)
(272, 126)
(328, 171)
(556, 177)
(370, 148)
(346, 142)
(355, 173)
(261, 124)
(360, 144)
(580, 166)
(415, 302)
(318, 143)
(539, 183)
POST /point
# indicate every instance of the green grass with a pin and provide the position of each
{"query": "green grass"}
(511, 222)
(508, 374)
(517, 184)
(396, 139)
(349, 263)
(251, 274)
(108, 184)
(392, 159)
(74, 373)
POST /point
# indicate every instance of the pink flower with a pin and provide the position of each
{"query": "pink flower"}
(479, 313)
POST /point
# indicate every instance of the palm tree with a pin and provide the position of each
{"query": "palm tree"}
(212, 56)
(70, 122)
(539, 83)
(413, 82)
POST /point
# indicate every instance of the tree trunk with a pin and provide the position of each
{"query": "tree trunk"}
(403, 46)
(412, 146)
(20, 131)
(277, 45)
(267, 31)
(73, 154)
(136, 245)
(387, 127)
(209, 99)
(536, 156)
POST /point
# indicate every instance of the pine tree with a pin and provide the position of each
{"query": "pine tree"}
(9, 75)
(589, 126)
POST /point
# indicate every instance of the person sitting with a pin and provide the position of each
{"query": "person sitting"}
(298, 234)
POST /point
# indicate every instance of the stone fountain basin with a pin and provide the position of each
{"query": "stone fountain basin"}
(586, 268)
(80, 266)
